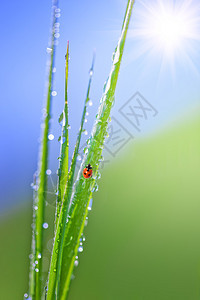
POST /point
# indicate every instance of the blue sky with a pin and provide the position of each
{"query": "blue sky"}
(88, 25)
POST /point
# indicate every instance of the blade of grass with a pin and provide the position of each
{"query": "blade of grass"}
(72, 174)
(55, 268)
(63, 167)
(84, 187)
(41, 182)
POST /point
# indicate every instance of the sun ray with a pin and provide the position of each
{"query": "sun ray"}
(167, 30)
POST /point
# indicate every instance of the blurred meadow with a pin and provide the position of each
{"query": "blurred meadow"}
(142, 240)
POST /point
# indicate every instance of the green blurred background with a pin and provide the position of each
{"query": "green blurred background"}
(143, 233)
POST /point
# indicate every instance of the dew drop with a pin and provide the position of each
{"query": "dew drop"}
(76, 263)
(54, 270)
(36, 262)
(85, 120)
(35, 207)
(57, 15)
(51, 137)
(57, 35)
(31, 256)
(57, 10)
(87, 113)
(85, 132)
(90, 103)
(37, 270)
(57, 24)
(54, 70)
(49, 50)
(80, 249)
(79, 157)
(48, 172)
(25, 296)
(90, 205)
(91, 72)
(45, 225)
(39, 255)
(35, 187)
(53, 93)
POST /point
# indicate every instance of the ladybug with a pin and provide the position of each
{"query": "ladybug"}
(87, 172)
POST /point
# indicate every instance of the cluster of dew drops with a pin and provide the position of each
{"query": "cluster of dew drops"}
(51, 138)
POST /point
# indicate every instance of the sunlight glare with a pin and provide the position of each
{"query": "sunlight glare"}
(167, 30)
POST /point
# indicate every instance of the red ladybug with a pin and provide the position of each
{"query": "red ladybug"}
(87, 172)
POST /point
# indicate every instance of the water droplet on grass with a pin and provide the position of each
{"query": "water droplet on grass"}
(39, 255)
(48, 172)
(25, 296)
(90, 103)
(51, 137)
(90, 205)
(37, 270)
(87, 113)
(49, 50)
(57, 35)
(79, 157)
(35, 187)
(76, 263)
(53, 93)
(80, 249)
(35, 207)
(45, 225)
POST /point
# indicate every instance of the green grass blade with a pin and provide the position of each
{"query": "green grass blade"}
(32, 256)
(55, 267)
(41, 183)
(72, 174)
(84, 187)
(63, 167)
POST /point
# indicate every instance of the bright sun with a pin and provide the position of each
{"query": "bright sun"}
(167, 28)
